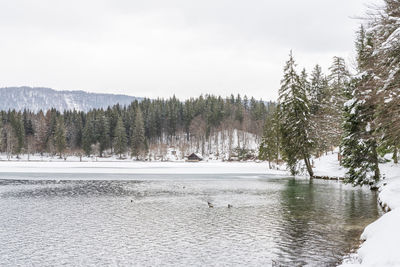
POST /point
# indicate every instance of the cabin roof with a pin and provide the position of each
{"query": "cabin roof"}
(195, 155)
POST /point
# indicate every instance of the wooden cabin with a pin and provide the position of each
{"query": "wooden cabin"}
(194, 157)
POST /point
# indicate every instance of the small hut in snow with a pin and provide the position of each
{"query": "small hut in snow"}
(194, 157)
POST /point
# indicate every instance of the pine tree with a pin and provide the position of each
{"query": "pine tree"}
(103, 132)
(87, 138)
(294, 117)
(18, 131)
(1, 131)
(338, 78)
(59, 136)
(138, 137)
(51, 117)
(316, 90)
(320, 111)
(120, 141)
(40, 132)
(359, 143)
(359, 146)
(269, 147)
(385, 26)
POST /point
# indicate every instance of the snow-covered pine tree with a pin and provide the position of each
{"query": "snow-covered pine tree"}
(338, 78)
(359, 140)
(320, 106)
(294, 119)
(385, 25)
(316, 90)
(353, 149)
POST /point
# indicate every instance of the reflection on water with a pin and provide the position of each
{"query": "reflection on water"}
(167, 221)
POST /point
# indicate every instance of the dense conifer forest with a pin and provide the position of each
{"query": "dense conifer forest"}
(142, 129)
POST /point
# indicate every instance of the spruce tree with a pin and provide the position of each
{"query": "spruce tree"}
(339, 78)
(87, 138)
(385, 27)
(359, 143)
(59, 136)
(138, 137)
(120, 141)
(294, 117)
(316, 90)
(1, 130)
(18, 131)
(269, 147)
(103, 132)
(320, 111)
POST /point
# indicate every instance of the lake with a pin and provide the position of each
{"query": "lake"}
(149, 220)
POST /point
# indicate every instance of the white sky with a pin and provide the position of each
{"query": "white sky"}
(159, 48)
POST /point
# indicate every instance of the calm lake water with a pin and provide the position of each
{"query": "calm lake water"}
(150, 220)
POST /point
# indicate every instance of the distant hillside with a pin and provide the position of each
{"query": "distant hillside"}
(37, 98)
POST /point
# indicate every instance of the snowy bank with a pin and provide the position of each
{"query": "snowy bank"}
(328, 165)
(381, 238)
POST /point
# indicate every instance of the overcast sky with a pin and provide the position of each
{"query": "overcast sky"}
(159, 48)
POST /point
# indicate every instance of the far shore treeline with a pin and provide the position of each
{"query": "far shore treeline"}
(143, 127)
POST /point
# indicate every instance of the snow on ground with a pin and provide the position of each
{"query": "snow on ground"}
(38, 164)
(328, 165)
(381, 246)
(175, 165)
(133, 167)
(390, 189)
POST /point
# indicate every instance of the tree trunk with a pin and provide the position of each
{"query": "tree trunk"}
(377, 173)
(395, 158)
(308, 165)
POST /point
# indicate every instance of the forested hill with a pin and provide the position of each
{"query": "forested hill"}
(39, 98)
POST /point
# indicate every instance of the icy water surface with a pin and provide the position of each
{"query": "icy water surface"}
(165, 220)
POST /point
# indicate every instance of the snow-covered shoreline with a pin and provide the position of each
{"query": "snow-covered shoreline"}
(136, 167)
(381, 238)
